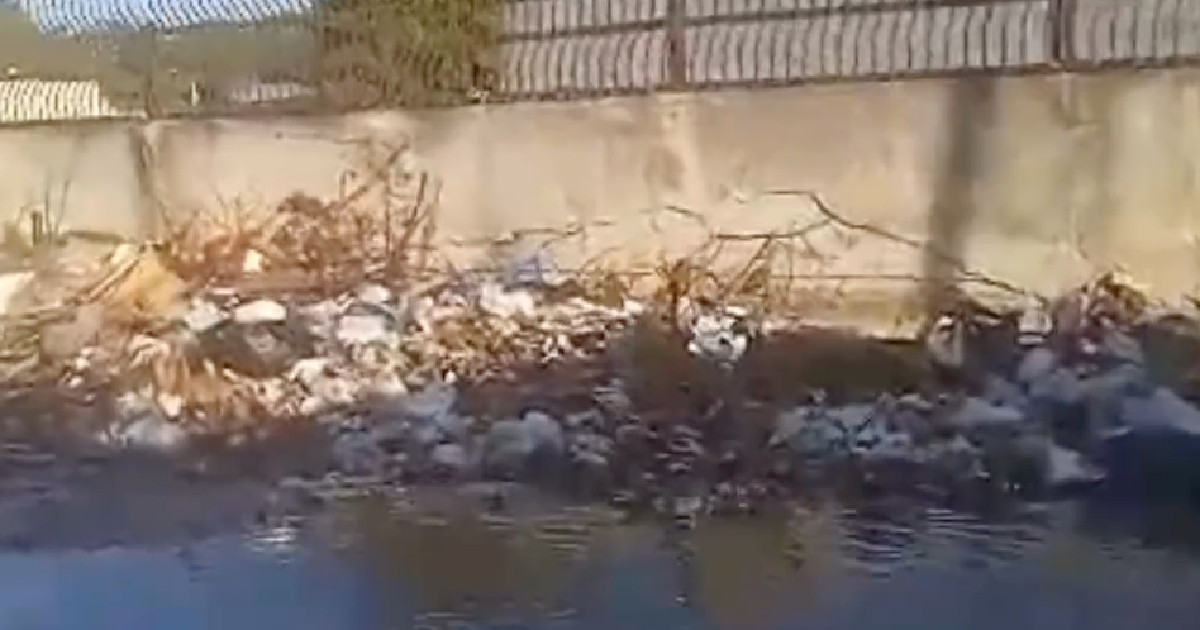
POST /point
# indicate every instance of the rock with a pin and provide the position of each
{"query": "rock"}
(365, 330)
(545, 431)
(1014, 461)
(591, 459)
(257, 350)
(254, 261)
(1061, 387)
(878, 443)
(427, 414)
(259, 312)
(684, 510)
(202, 316)
(719, 338)
(956, 457)
(373, 294)
(425, 434)
(331, 392)
(450, 457)
(321, 317)
(590, 419)
(1035, 325)
(421, 311)
(534, 269)
(946, 343)
(503, 303)
(309, 371)
(141, 424)
(431, 402)
(853, 417)
(508, 444)
(1117, 345)
(386, 387)
(975, 412)
(156, 434)
(444, 426)
(12, 285)
(809, 432)
(613, 398)
(589, 446)
(1037, 365)
(356, 453)
(1162, 410)
(511, 444)
(1125, 379)
(390, 436)
(1066, 467)
(1000, 392)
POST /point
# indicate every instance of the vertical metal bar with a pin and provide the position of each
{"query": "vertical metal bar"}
(1062, 33)
(37, 230)
(677, 56)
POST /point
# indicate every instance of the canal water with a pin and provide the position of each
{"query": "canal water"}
(375, 564)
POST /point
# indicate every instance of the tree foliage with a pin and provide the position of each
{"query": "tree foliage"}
(377, 53)
(354, 54)
(32, 53)
(27, 52)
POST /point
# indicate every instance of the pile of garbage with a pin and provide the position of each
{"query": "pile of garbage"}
(1026, 403)
(522, 374)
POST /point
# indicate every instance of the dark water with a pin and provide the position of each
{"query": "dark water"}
(369, 565)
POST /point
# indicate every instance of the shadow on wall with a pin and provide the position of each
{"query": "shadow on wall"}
(1093, 225)
(972, 110)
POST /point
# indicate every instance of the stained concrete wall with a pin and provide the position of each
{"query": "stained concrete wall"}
(1036, 180)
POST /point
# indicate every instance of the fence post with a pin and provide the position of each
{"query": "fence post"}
(677, 44)
(1062, 33)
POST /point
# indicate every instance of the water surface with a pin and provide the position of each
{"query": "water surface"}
(366, 567)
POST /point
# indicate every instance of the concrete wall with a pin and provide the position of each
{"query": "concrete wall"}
(1034, 180)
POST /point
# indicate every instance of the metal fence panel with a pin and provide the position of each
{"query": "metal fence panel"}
(869, 43)
(67, 59)
(31, 100)
(1158, 31)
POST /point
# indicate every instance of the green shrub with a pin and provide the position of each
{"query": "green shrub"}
(378, 53)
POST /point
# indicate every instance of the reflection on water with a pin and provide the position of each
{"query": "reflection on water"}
(748, 573)
(219, 584)
(372, 565)
(466, 563)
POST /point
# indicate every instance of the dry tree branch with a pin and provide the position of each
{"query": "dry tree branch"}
(965, 274)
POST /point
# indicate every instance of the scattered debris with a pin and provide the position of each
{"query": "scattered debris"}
(688, 400)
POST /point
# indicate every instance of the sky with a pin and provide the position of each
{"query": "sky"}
(83, 15)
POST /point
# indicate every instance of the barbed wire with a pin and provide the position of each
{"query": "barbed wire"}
(204, 57)
(76, 17)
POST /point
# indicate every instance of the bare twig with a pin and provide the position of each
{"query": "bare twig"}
(837, 219)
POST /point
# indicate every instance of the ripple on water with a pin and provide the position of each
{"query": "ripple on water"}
(414, 562)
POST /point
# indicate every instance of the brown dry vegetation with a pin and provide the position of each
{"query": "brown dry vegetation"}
(383, 227)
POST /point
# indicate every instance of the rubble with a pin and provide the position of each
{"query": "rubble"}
(653, 402)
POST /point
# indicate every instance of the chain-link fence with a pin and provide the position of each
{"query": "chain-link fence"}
(111, 58)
